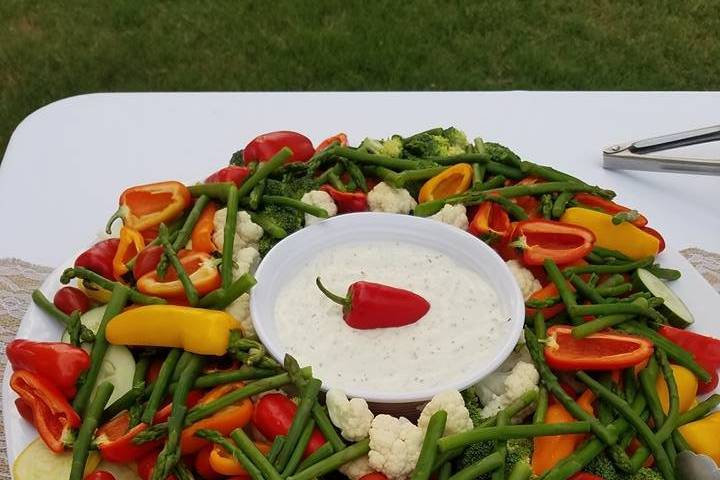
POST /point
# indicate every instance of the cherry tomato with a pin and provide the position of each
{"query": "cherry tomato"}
(273, 416)
(146, 464)
(69, 299)
(147, 260)
(233, 173)
(263, 147)
(202, 464)
(100, 475)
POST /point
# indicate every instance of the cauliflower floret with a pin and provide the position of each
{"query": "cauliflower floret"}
(524, 278)
(458, 418)
(395, 445)
(247, 233)
(501, 388)
(356, 469)
(384, 198)
(455, 215)
(244, 260)
(352, 417)
(321, 199)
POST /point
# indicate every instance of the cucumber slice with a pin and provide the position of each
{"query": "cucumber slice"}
(118, 366)
(673, 308)
(38, 462)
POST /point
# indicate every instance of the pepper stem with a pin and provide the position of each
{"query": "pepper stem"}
(344, 301)
(119, 213)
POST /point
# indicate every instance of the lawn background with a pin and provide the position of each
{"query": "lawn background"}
(54, 49)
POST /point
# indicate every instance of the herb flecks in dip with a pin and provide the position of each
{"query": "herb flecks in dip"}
(463, 329)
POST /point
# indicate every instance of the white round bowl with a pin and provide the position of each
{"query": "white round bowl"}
(289, 256)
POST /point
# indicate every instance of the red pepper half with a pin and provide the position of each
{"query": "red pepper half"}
(115, 440)
(99, 258)
(347, 202)
(233, 173)
(274, 414)
(263, 147)
(705, 350)
(70, 299)
(60, 363)
(607, 206)
(563, 243)
(373, 305)
(599, 351)
(491, 222)
(52, 415)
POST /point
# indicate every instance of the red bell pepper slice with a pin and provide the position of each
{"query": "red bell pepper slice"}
(491, 222)
(705, 350)
(263, 147)
(341, 139)
(59, 363)
(347, 202)
(607, 206)
(99, 258)
(232, 173)
(115, 440)
(599, 351)
(563, 243)
(52, 415)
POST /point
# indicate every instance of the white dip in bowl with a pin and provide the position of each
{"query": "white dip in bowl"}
(474, 321)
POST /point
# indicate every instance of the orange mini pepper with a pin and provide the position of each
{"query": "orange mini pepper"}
(491, 222)
(451, 181)
(200, 267)
(131, 243)
(202, 233)
(146, 206)
(226, 464)
(340, 139)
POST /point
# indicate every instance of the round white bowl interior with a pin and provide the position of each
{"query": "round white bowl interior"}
(289, 256)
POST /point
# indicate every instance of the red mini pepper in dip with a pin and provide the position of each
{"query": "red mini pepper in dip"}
(347, 202)
(263, 147)
(373, 305)
(599, 351)
(561, 242)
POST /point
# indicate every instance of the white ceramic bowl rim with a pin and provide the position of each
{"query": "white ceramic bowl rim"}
(282, 261)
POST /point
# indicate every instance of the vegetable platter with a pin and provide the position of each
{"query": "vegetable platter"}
(613, 377)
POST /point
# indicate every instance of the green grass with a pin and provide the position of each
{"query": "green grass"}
(53, 49)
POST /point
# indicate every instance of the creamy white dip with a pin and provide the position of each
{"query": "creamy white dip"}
(464, 327)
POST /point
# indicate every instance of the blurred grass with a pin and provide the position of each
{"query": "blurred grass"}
(51, 49)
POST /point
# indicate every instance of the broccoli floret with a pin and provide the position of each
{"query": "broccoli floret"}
(293, 187)
(472, 403)
(457, 138)
(237, 158)
(392, 147)
(286, 218)
(426, 145)
(474, 453)
(517, 451)
(500, 153)
(603, 467)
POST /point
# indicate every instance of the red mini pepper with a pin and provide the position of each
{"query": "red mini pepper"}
(70, 299)
(99, 258)
(705, 350)
(263, 147)
(273, 416)
(562, 242)
(341, 139)
(232, 173)
(373, 305)
(60, 363)
(599, 351)
(52, 415)
(491, 222)
(115, 440)
(607, 206)
(347, 202)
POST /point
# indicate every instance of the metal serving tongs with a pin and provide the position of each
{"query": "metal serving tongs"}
(634, 156)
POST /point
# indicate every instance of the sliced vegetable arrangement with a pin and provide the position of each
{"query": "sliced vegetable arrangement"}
(160, 375)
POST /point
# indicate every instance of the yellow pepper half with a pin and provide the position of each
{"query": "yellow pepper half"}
(625, 238)
(687, 385)
(450, 181)
(702, 436)
(196, 330)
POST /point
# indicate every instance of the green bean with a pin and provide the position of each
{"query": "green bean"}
(560, 204)
(595, 259)
(221, 298)
(630, 384)
(435, 429)
(356, 175)
(269, 226)
(544, 303)
(487, 464)
(262, 172)
(320, 454)
(445, 471)
(700, 410)
(586, 290)
(593, 280)
(478, 174)
(680, 442)
(296, 204)
(495, 182)
(501, 447)
(256, 457)
(256, 195)
(553, 386)
(117, 303)
(184, 234)
(608, 253)
(365, 158)
(81, 446)
(401, 179)
(307, 399)
(180, 365)
(546, 204)
(229, 236)
(86, 335)
(504, 170)
(681, 356)
(661, 458)
(612, 281)
(632, 308)
(614, 291)
(191, 292)
(647, 378)
(132, 395)
(160, 385)
(520, 471)
(74, 328)
(621, 268)
(472, 158)
(102, 282)
(182, 472)
(337, 184)
(600, 323)
(299, 450)
(214, 379)
(275, 448)
(326, 427)
(216, 438)
(541, 407)
(567, 295)
(540, 188)
(170, 454)
(547, 173)
(334, 461)
(664, 273)
(216, 191)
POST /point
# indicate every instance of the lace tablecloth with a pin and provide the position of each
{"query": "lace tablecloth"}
(18, 279)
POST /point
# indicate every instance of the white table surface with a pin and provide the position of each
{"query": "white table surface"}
(67, 163)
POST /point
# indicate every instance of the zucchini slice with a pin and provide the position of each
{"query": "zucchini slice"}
(673, 308)
(38, 462)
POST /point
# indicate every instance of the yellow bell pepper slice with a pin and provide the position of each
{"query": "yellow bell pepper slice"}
(687, 385)
(450, 181)
(625, 238)
(197, 330)
(702, 436)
